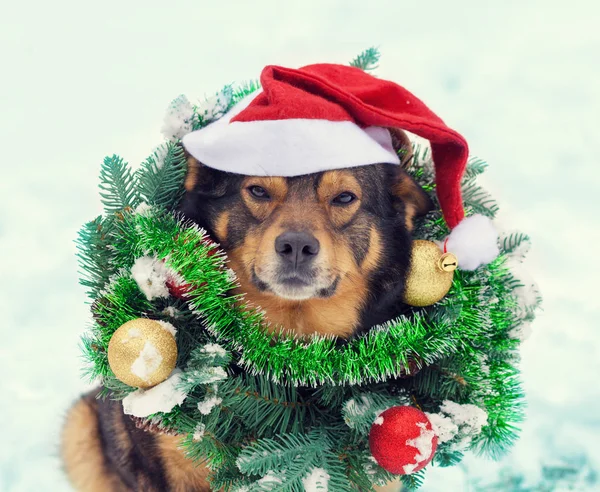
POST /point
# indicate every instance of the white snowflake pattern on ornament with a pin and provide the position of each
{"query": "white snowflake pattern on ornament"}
(424, 445)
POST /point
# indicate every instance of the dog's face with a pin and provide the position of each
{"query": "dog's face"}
(317, 247)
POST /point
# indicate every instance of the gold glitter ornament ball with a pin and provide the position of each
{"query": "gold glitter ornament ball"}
(142, 353)
(430, 275)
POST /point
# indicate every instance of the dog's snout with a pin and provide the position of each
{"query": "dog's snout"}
(297, 248)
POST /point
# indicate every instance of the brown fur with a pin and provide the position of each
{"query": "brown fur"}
(337, 315)
(191, 177)
(82, 452)
(413, 201)
(103, 451)
(183, 474)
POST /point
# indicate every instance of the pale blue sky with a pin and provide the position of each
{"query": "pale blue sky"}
(519, 79)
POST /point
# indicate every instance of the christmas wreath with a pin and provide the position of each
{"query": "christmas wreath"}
(270, 411)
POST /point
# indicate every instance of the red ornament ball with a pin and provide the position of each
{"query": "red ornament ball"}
(402, 440)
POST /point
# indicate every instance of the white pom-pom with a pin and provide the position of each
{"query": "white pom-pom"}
(474, 242)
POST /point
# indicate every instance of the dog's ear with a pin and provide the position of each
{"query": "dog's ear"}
(402, 146)
(192, 175)
(409, 198)
(203, 180)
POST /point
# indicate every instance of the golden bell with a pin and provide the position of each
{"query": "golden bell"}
(430, 275)
(142, 353)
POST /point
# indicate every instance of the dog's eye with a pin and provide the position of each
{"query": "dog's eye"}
(258, 192)
(344, 198)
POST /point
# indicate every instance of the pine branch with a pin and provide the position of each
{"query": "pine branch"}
(338, 473)
(244, 89)
(479, 200)
(161, 176)
(444, 457)
(275, 454)
(475, 167)
(367, 60)
(267, 407)
(229, 479)
(118, 187)
(362, 470)
(94, 254)
(413, 481)
(360, 411)
(96, 358)
(121, 302)
(509, 244)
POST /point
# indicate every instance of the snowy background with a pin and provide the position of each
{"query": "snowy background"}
(520, 79)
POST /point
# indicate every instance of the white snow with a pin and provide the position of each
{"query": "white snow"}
(171, 311)
(378, 420)
(178, 119)
(423, 443)
(161, 398)
(408, 469)
(241, 461)
(355, 408)
(147, 362)
(474, 242)
(270, 481)
(316, 480)
(528, 293)
(199, 432)
(457, 422)
(443, 426)
(214, 349)
(143, 209)
(168, 326)
(520, 252)
(522, 331)
(465, 414)
(212, 374)
(159, 155)
(214, 107)
(208, 404)
(151, 275)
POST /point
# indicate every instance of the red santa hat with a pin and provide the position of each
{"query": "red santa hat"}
(323, 117)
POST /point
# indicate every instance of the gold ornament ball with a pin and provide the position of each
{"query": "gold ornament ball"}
(142, 353)
(430, 275)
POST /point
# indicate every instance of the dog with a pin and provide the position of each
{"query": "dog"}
(324, 253)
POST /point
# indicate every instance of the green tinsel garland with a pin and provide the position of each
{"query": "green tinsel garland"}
(382, 353)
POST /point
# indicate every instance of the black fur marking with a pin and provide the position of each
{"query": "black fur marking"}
(109, 437)
(263, 287)
(142, 460)
(145, 457)
(329, 291)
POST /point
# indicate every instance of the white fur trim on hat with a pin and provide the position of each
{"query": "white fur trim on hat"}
(291, 147)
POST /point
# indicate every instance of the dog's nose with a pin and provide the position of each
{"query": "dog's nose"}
(297, 248)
